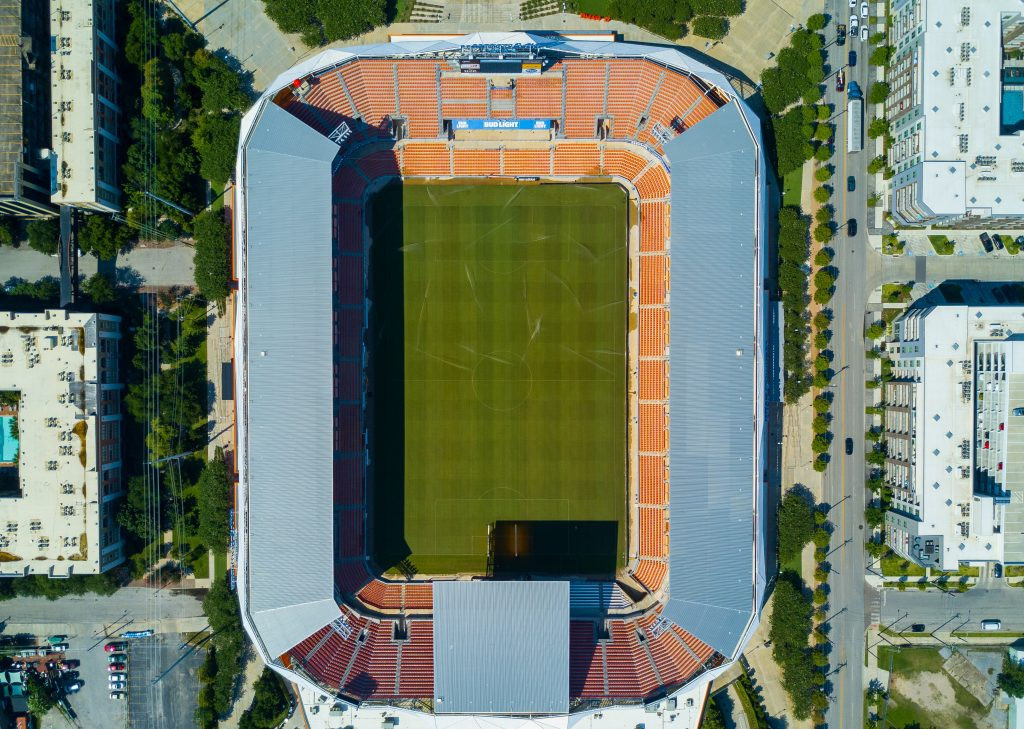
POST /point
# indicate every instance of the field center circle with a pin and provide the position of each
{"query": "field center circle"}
(502, 367)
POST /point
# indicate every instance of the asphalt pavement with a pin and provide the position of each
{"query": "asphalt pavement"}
(158, 267)
(952, 611)
(129, 606)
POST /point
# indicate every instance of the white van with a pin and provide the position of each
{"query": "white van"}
(991, 624)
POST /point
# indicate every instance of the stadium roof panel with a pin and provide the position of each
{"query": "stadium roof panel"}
(714, 496)
(501, 647)
(287, 168)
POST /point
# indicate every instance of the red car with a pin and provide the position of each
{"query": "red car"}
(114, 647)
(115, 667)
(70, 663)
(840, 81)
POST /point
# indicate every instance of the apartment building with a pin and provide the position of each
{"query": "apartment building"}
(60, 443)
(956, 112)
(954, 434)
(83, 86)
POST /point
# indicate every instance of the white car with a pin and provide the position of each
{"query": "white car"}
(853, 4)
(864, 33)
(119, 695)
(854, 23)
(117, 685)
(118, 677)
(863, 10)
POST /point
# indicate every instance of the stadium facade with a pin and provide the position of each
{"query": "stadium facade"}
(689, 151)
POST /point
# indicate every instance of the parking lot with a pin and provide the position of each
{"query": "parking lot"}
(163, 683)
(91, 705)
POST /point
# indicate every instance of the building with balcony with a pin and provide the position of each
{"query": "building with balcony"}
(60, 443)
(25, 162)
(956, 112)
(84, 108)
(954, 434)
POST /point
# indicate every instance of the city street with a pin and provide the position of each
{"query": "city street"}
(158, 267)
(129, 605)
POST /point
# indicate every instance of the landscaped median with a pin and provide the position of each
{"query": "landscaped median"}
(942, 245)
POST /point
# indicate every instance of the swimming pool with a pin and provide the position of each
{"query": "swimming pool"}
(8, 443)
(1012, 109)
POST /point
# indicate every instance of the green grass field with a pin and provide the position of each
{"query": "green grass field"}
(498, 353)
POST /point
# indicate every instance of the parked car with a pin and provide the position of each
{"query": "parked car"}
(117, 695)
(72, 686)
(1020, 241)
(118, 677)
(851, 183)
(853, 4)
(58, 647)
(851, 227)
(849, 446)
(854, 23)
(70, 663)
(998, 242)
(114, 647)
(917, 628)
(863, 10)
(117, 667)
(840, 35)
(1018, 411)
(991, 624)
(840, 81)
(864, 34)
(853, 58)
(998, 570)
(116, 685)
(117, 658)
(986, 242)
(54, 639)
(28, 653)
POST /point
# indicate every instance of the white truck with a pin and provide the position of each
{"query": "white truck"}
(854, 118)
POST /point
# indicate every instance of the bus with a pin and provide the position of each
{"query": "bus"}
(854, 118)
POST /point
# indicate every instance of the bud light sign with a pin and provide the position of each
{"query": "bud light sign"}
(540, 124)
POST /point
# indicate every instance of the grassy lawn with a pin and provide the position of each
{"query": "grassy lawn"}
(1013, 570)
(793, 565)
(895, 293)
(909, 666)
(791, 187)
(892, 245)
(908, 661)
(220, 564)
(500, 365)
(1011, 244)
(942, 245)
(217, 193)
(895, 566)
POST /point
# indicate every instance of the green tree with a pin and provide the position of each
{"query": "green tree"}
(716, 7)
(880, 56)
(824, 214)
(1011, 678)
(212, 267)
(713, 718)
(816, 22)
(819, 425)
(822, 194)
(219, 84)
(874, 517)
(40, 698)
(878, 93)
(709, 26)
(44, 235)
(821, 319)
(343, 19)
(157, 93)
(878, 127)
(877, 164)
(823, 174)
(214, 501)
(820, 464)
(795, 525)
(99, 288)
(822, 234)
(876, 330)
(823, 153)
(823, 133)
(103, 237)
(8, 232)
(216, 140)
(824, 256)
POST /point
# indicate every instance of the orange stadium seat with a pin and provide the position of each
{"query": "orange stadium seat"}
(585, 100)
(653, 184)
(477, 162)
(416, 664)
(379, 88)
(630, 84)
(328, 94)
(372, 674)
(419, 595)
(652, 332)
(540, 97)
(651, 384)
(651, 573)
(586, 661)
(463, 96)
(348, 474)
(378, 164)
(652, 428)
(527, 161)
(677, 95)
(417, 97)
(425, 158)
(382, 595)
(624, 163)
(652, 489)
(652, 531)
(653, 280)
(351, 74)
(348, 227)
(702, 650)
(348, 184)
(577, 159)
(705, 108)
(653, 223)
(349, 533)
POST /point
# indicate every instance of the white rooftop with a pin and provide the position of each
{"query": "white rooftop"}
(54, 523)
(961, 64)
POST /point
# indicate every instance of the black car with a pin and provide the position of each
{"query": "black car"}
(998, 570)
(853, 58)
(849, 446)
(998, 241)
(851, 227)
(917, 628)
(986, 242)
(851, 183)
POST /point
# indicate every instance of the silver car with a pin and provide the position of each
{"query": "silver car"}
(1018, 411)
(863, 10)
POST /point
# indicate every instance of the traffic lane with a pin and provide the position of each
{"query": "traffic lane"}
(118, 609)
(953, 611)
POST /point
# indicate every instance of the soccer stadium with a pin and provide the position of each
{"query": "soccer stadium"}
(500, 376)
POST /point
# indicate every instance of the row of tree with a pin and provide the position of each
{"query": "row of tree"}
(674, 19)
(224, 658)
(324, 21)
(794, 249)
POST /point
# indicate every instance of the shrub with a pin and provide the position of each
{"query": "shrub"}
(710, 26)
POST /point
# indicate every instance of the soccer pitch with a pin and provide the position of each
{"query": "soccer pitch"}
(498, 344)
